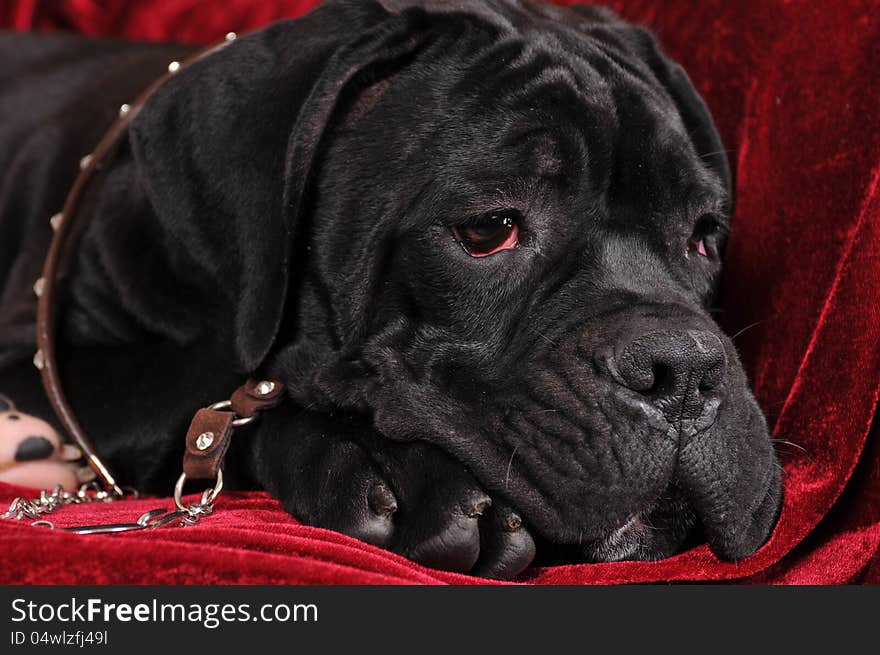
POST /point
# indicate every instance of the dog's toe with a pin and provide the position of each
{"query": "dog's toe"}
(372, 517)
(506, 547)
(381, 501)
(364, 509)
(446, 520)
(340, 489)
(443, 531)
(412, 498)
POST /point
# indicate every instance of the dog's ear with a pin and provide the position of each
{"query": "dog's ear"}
(226, 147)
(694, 113)
(697, 119)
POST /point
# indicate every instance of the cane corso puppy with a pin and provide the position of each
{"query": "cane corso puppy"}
(478, 241)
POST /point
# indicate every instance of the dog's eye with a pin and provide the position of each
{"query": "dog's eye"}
(707, 238)
(489, 233)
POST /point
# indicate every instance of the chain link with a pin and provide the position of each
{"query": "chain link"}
(49, 501)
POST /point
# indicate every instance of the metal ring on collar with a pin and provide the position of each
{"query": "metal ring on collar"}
(208, 497)
(236, 423)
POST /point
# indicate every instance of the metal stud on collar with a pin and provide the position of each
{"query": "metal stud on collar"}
(204, 440)
(264, 387)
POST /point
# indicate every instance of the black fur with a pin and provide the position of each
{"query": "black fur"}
(285, 206)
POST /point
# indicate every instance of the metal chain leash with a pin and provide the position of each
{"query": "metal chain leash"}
(49, 501)
(185, 514)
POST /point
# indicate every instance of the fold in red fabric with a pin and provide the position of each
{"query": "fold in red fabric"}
(794, 89)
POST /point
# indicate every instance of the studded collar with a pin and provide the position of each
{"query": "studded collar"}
(208, 436)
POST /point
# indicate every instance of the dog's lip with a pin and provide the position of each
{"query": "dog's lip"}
(659, 530)
(618, 545)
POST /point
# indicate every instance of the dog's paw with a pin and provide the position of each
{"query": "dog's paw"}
(445, 520)
(417, 501)
(32, 453)
(411, 498)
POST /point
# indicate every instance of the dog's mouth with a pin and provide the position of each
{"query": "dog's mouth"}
(654, 534)
(669, 526)
(663, 485)
(631, 541)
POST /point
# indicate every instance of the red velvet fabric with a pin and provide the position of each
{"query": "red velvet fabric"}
(794, 88)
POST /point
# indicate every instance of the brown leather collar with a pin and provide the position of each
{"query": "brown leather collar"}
(208, 435)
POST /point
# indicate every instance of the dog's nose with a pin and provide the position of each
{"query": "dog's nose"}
(675, 370)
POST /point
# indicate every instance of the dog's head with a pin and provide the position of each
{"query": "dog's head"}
(500, 230)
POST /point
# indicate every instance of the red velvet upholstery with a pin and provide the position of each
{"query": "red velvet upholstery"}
(794, 88)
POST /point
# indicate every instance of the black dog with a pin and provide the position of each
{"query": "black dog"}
(477, 240)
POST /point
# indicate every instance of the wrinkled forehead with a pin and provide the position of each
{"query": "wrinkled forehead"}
(537, 99)
(506, 14)
(558, 111)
